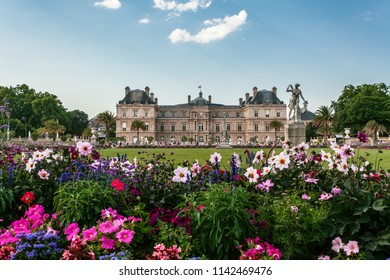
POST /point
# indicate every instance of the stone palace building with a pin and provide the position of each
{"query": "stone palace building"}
(199, 119)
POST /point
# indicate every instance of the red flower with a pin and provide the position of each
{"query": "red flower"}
(28, 198)
(116, 184)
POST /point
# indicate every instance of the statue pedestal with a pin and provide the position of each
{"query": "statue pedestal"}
(295, 132)
(224, 145)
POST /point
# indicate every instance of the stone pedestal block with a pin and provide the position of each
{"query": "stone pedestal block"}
(295, 133)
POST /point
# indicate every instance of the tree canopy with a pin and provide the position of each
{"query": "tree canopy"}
(30, 110)
(358, 105)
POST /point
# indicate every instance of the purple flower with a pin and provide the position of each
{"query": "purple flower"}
(363, 138)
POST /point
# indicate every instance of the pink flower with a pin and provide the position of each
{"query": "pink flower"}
(311, 180)
(71, 230)
(43, 174)
(89, 234)
(264, 186)
(108, 213)
(84, 148)
(107, 243)
(107, 227)
(294, 209)
(195, 169)
(258, 157)
(125, 236)
(35, 212)
(351, 248)
(324, 257)
(306, 197)
(325, 196)
(337, 244)
(336, 191)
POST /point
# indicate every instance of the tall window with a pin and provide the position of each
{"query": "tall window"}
(267, 126)
(217, 127)
(200, 127)
(278, 114)
(228, 127)
(256, 114)
(256, 127)
(135, 113)
(146, 113)
(123, 126)
(162, 127)
(124, 114)
(173, 127)
(239, 128)
(184, 127)
(267, 113)
(146, 126)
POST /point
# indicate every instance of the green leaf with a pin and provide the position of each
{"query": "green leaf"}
(378, 205)
(371, 246)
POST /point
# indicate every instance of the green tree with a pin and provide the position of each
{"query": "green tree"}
(137, 125)
(372, 128)
(106, 118)
(324, 119)
(78, 121)
(276, 125)
(358, 105)
(52, 127)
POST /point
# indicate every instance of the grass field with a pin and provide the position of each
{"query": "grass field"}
(203, 154)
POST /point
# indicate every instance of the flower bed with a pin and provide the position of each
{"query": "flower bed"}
(72, 204)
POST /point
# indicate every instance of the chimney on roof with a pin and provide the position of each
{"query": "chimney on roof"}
(240, 101)
(189, 99)
(246, 97)
(209, 98)
(127, 90)
(147, 90)
(152, 95)
(274, 89)
(156, 101)
(254, 91)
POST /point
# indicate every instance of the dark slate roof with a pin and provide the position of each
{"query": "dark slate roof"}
(137, 96)
(263, 97)
(200, 101)
(307, 116)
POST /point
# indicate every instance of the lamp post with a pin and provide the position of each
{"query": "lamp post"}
(8, 114)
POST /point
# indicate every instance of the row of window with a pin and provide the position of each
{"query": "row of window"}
(201, 127)
(137, 113)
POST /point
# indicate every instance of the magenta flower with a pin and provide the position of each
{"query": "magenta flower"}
(363, 138)
(125, 236)
(107, 213)
(35, 212)
(107, 227)
(337, 244)
(20, 226)
(107, 243)
(71, 230)
(311, 180)
(7, 238)
(305, 197)
(89, 234)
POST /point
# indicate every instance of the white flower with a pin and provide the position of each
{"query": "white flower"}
(181, 174)
(258, 157)
(282, 161)
(266, 170)
(37, 155)
(215, 158)
(195, 169)
(343, 167)
(30, 165)
(251, 174)
(326, 156)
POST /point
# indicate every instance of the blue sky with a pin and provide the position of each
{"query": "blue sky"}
(87, 51)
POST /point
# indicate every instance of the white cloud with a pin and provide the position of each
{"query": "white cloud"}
(220, 29)
(191, 5)
(144, 21)
(109, 4)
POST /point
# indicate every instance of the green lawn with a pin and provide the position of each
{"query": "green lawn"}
(203, 154)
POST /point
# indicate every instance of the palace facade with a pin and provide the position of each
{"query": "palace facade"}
(199, 119)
